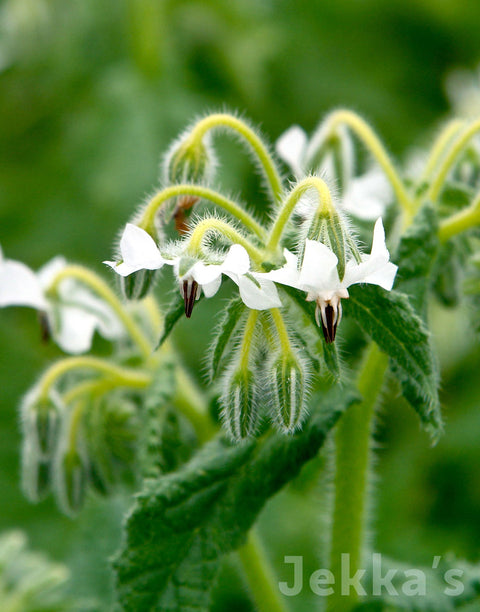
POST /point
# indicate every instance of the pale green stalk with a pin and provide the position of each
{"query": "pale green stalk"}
(237, 125)
(147, 220)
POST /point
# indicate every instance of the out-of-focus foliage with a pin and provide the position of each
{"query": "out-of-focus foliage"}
(91, 92)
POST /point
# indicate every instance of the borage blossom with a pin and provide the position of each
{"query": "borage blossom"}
(71, 316)
(318, 277)
(365, 196)
(139, 252)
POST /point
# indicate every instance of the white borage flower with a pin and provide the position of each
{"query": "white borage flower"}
(139, 251)
(72, 316)
(318, 276)
(365, 196)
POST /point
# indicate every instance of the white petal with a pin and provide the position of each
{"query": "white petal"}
(257, 297)
(237, 260)
(205, 273)
(138, 251)
(74, 295)
(75, 330)
(210, 289)
(319, 268)
(376, 268)
(19, 286)
(379, 248)
(49, 271)
(368, 195)
(287, 274)
(291, 147)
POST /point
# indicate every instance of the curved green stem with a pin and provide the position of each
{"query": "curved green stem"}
(247, 338)
(189, 401)
(260, 577)
(231, 122)
(223, 228)
(124, 376)
(437, 151)
(312, 182)
(371, 141)
(461, 221)
(147, 220)
(353, 450)
(281, 330)
(94, 282)
(450, 158)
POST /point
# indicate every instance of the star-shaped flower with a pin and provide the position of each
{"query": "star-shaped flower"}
(318, 277)
(139, 251)
(72, 316)
(365, 196)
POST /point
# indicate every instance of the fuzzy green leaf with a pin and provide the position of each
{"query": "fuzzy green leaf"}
(392, 323)
(224, 333)
(182, 524)
(416, 256)
(167, 440)
(175, 310)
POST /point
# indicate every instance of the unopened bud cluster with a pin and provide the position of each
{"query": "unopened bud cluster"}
(67, 449)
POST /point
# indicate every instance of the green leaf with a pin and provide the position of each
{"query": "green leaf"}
(233, 314)
(167, 440)
(175, 310)
(392, 323)
(327, 351)
(454, 196)
(416, 256)
(181, 525)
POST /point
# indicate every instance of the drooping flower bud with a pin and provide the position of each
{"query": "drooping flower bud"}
(41, 421)
(136, 286)
(239, 401)
(327, 226)
(71, 481)
(36, 472)
(189, 161)
(288, 381)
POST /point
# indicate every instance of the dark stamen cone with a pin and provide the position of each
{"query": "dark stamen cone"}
(189, 296)
(329, 323)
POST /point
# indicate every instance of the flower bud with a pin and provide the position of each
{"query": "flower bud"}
(36, 472)
(328, 227)
(239, 414)
(71, 481)
(288, 388)
(136, 286)
(41, 421)
(188, 161)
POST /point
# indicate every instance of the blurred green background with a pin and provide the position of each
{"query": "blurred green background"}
(91, 94)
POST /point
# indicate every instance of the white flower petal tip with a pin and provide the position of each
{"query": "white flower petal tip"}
(138, 252)
(258, 293)
(20, 286)
(367, 196)
(291, 147)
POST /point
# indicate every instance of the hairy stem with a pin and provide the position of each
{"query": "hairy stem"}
(461, 221)
(312, 182)
(231, 122)
(371, 141)
(438, 150)
(98, 286)
(123, 376)
(451, 157)
(147, 220)
(223, 228)
(260, 578)
(353, 450)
